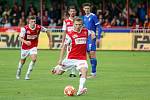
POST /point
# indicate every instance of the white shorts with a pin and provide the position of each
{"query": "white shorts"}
(25, 53)
(69, 64)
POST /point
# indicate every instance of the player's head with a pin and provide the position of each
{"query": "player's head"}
(87, 7)
(32, 20)
(78, 24)
(72, 11)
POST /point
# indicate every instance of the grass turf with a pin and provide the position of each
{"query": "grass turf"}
(121, 75)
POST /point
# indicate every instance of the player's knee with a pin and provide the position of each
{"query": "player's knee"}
(22, 61)
(34, 60)
(92, 55)
(83, 72)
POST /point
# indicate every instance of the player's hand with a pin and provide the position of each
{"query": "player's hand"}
(28, 43)
(93, 35)
(98, 42)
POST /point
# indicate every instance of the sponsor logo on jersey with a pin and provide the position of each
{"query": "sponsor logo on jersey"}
(32, 37)
(80, 41)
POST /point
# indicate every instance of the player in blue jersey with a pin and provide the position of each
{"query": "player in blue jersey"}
(91, 22)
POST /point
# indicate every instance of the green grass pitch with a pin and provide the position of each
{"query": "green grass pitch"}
(121, 75)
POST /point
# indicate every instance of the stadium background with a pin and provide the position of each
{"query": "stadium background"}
(125, 22)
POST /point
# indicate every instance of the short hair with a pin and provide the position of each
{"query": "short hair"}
(86, 4)
(77, 19)
(71, 7)
(32, 17)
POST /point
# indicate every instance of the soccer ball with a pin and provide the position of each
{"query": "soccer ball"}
(69, 90)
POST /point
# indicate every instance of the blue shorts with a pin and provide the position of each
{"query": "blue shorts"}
(91, 44)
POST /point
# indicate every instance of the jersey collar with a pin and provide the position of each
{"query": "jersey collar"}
(32, 28)
(88, 15)
(79, 31)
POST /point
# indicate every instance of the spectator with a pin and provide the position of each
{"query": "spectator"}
(101, 20)
(106, 24)
(59, 23)
(137, 24)
(141, 12)
(7, 23)
(52, 24)
(21, 22)
(46, 18)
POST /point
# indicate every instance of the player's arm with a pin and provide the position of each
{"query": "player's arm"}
(48, 35)
(63, 49)
(99, 29)
(98, 26)
(62, 53)
(21, 37)
(64, 31)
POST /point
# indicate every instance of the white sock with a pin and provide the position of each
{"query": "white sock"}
(30, 67)
(20, 65)
(81, 84)
(19, 69)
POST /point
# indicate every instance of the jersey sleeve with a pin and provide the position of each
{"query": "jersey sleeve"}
(95, 20)
(64, 26)
(43, 29)
(23, 32)
(67, 40)
(98, 26)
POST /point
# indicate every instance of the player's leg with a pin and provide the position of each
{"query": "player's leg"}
(33, 56)
(24, 54)
(93, 60)
(31, 65)
(66, 65)
(20, 65)
(73, 73)
(83, 69)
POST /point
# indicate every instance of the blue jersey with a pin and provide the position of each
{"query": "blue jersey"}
(91, 23)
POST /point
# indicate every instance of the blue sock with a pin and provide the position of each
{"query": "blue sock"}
(93, 64)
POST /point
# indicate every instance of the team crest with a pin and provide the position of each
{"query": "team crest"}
(68, 23)
(28, 32)
(89, 19)
(75, 36)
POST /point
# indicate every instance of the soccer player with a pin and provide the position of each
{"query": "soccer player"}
(29, 37)
(76, 56)
(67, 27)
(91, 22)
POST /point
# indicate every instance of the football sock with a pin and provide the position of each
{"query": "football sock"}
(19, 68)
(93, 64)
(81, 84)
(30, 67)
(20, 65)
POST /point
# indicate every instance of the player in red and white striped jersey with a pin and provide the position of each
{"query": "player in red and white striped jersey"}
(76, 57)
(29, 37)
(67, 27)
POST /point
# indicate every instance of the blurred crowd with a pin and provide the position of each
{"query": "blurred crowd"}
(115, 14)
(109, 15)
